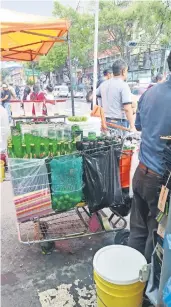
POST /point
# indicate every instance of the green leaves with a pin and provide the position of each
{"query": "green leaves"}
(147, 22)
(54, 59)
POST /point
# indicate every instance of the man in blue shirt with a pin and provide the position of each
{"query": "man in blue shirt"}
(154, 120)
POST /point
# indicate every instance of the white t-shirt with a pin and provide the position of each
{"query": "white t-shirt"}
(114, 94)
(4, 128)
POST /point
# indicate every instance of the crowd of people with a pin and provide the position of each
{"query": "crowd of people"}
(9, 94)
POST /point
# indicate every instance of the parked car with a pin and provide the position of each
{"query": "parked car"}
(78, 94)
(61, 91)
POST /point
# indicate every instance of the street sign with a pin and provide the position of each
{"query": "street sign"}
(132, 44)
(29, 72)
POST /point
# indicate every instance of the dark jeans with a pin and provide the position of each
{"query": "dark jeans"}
(146, 188)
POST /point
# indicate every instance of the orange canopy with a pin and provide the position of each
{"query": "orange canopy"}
(26, 37)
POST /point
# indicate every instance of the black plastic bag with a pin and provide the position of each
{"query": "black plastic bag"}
(101, 177)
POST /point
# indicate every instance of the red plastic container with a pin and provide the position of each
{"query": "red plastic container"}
(125, 166)
(3, 158)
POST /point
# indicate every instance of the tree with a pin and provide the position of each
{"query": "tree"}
(147, 22)
(5, 72)
(81, 32)
(54, 59)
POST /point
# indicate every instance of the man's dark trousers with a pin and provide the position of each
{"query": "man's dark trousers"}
(146, 187)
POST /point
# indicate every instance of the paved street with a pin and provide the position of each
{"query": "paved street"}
(81, 107)
(26, 272)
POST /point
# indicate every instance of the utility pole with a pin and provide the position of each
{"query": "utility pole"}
(95, 49)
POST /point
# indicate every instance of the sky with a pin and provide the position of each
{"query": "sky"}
(37, 7)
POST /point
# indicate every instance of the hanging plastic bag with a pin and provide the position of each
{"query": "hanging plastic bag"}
(31, 188)
(101, 177)
(134, 164)
(167, 293)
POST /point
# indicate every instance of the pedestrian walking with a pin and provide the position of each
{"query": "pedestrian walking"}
(159, 78)
(116, 97)
(49, 93)
(153, 119)
(5, 100)
(38, 95)
(107, 74)
(12, 90)
(27, 92)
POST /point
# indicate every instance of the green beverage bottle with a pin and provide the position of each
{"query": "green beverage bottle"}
(24, 152)
(66, 148)
(62, 149)
(11, 151)
(32, 152)
(51, 153)
(92, 136)
(42, 151)
(69, 147)
(73, 146)
(57, 153)
(17, 142)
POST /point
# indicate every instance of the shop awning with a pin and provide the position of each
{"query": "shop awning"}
(26, 37)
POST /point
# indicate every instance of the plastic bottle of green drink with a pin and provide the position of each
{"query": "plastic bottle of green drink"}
(24, 152)
(51, 153)
(57, 153)
(73, 146)
(62, 149)
(16, 141)
(69, 147)
(42, 151)
(66, 148)
(32, 152)
(11, 151)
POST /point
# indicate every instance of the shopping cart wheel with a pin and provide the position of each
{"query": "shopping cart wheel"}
(121, 237)
(47, 247)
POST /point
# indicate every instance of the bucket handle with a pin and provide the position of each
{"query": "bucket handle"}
(144, 273)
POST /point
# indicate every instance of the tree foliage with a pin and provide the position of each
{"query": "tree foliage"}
(54, 59)
(147, 22)
(81, 31)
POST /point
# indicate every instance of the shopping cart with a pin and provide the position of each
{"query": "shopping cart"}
(49, 225)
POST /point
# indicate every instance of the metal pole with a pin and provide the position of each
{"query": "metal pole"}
(32, 64)
(95, 49)
(165, 60)
(71, 77)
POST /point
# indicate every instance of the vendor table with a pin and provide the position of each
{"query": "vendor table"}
(47, 118)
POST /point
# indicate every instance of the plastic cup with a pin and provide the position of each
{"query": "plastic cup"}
(50, 109)
(38, 106)
(28, 107)
(16, 108)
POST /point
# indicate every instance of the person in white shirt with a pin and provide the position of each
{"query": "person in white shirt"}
(4, 129)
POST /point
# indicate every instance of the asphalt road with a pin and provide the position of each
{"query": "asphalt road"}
(25, 271)
(81, 107)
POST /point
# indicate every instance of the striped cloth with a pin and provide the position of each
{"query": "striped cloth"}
(33, 205)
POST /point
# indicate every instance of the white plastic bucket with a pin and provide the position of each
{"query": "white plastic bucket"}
(61, 107)
(28, 108)
(16, 108)
(116, 274)
(38, 106)
(50, 109)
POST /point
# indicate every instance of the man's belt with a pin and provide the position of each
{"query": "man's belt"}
(116, 119)
(147, 170)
